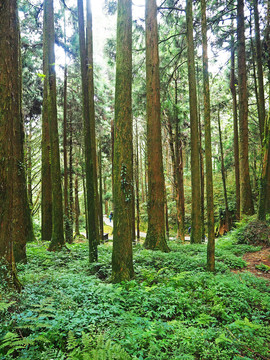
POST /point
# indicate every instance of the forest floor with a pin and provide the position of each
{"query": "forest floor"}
(258, 263)
(172, 309)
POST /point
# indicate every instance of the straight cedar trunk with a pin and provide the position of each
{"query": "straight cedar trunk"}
(29, 165)
(71, 202)
(179, 177)
(13, 190)
(196, 220)
(235, 130)
(227, 216)
(57, 239)
(245, 187)
(91, 208)
(46, 179)
(68, 232)
(123, 192)
(178, 181)
(267, 48)
(90, 79)
(137, 177)
(155, 238)
(101, 227)
(201, 172)
(261, 99)
(208, 147)
(264, 194)
(77, 204)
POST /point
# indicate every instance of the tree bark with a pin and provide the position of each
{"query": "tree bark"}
(13, 191)
(123, 190)
(196, 221)
(88, 109)
(155, 238)
(235, 130)
(245, 187)
(57, 239)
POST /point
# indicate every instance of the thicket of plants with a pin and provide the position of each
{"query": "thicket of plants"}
(172, 309)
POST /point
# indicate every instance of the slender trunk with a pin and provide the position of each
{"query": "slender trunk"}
(106, 209)
(179, 177)
(68, 232)
(245, 187)
(227, 217)
(155, 238)
(137, 176)
(196, 221)
(123, 190)
(70, 213)
(100, 194)
(201, 174)
(261, 107)
(88, 107)
(235, 130)
(57, 240)
(29, 166)
(167, 229)
(208, 147)
(141, 175)
(92, 124)
(77, 204)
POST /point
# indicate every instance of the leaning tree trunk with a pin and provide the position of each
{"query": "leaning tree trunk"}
(155, 238)
(245, 187)
(123, 192)
(196, 221)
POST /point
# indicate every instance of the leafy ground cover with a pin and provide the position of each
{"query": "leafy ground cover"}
(173, 309)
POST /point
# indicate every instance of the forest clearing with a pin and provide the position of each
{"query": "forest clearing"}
(134, 179)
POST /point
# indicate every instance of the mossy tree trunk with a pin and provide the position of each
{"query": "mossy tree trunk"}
(13, 191)
(245, 187)
(57, 239)
(208, 147)
(88, 116)
(235, 129)
(196, 221)
(123, 189)
(155, 238)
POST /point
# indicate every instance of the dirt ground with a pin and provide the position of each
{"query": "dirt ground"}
(257, 258)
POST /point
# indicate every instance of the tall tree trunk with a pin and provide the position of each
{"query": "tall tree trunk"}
(88, 107)
(155, 238)
(227, 216)
(201, 173)
(68, 232)
(123, 192)
(141, 175)
(179, 177)
(235, 130)
(57, 240)
(261, 106)
(208, 147)
(245, 187)
(77, 204)
(70, 212)
(100, 193)
(46, 178)
(196, 221)
(91, 93)
(13, 190)
(29, 165)
(264, 194)
(137, 176)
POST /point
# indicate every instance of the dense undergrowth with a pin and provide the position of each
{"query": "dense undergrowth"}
(173, 309)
